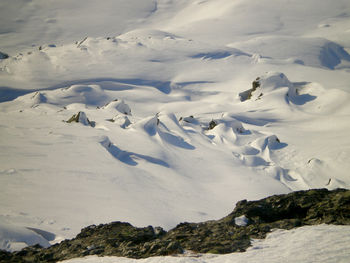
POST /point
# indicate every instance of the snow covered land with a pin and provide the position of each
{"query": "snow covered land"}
(168, 126)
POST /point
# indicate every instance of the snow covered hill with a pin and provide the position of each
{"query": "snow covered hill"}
(170, 126)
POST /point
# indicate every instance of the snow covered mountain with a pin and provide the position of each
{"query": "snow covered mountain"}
(169, 126)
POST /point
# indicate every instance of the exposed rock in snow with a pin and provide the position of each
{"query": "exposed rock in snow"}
(3, 55)
(233, 233)
(212, 125)
(80, 117)
(266, 84)
(180, 58)
(247, 95)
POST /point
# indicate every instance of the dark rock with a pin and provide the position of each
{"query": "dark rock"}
(246, 95)
(80, 117)
(212, 125)
(222, 236)
(159, 231)
(5, 256)
(3, 55)
(256, 83)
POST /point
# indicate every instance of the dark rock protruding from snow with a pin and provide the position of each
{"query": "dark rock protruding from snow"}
(80, 117)
(226, 235)
(266, 84)
(212, 125)
(246, 95)
(3, 55)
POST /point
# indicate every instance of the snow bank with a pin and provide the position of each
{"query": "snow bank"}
(14, 238)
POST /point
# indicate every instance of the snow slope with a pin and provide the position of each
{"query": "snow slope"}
(147, 78)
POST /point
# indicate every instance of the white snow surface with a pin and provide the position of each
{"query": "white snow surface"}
(321, 244)
(241, 220)
(150, 76)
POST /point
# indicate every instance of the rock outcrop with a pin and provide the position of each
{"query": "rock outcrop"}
(3, 55)
(247, 95)
(80, 117)
(250, 219)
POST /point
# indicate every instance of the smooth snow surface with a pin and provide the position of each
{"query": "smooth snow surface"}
(319, 244)
(14, 238)
(149, 79)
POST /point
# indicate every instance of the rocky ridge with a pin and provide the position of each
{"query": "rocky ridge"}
(250, 219)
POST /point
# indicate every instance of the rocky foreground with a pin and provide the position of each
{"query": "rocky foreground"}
(250, 219)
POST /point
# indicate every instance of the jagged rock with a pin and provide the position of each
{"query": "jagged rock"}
(3, 55)
(256, 83)
(212, 125)
(80, 117)
(246, 95)
(222, 236)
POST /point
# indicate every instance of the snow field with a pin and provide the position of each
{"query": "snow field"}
(148, 79)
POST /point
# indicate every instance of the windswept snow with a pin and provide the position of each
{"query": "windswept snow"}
(14, 238)
(174, 129)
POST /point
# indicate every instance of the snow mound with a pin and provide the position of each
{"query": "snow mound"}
(332, 54)
(14, 238)
(314, 52)
(266, 84)
(90, 95)
(150, 125)
(80, 117)
(122, 120)
(38, 98)
(274, 80)
(148, 35)
(120, 106)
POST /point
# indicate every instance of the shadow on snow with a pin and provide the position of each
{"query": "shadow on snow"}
(8, 93)
(130, 158)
